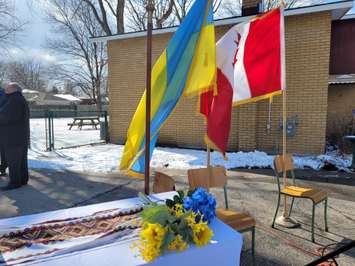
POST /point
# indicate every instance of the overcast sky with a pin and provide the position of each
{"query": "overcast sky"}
(31, 43)
(32, 40)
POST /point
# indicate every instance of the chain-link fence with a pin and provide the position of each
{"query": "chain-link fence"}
(59, 129)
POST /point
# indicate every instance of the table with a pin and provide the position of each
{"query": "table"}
(352, 140)
(224, 249)
(84, 121)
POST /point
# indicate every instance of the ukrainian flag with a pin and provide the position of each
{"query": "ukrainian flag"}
(186, 67)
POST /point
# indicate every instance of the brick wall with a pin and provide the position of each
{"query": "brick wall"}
(307, 68)
(307, 59)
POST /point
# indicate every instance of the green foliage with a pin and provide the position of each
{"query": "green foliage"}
(177, 199)
(178, 222)
(157, 214)
(181, 195)
(144, 198)
(169, 237)
(190, 192)
(170, 203)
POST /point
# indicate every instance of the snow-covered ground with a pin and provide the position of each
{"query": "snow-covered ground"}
(63, 136)
(106, 157)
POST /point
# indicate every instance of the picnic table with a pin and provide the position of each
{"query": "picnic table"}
(81, 121)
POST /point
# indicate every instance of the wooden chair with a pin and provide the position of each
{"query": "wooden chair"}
(315, 195)
(163, 183)
(216, 177)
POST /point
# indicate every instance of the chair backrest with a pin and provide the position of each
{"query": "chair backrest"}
(163, 183)
(210, 177)
(199, 178)
(207, 177)
(218, 177)
(280, 165)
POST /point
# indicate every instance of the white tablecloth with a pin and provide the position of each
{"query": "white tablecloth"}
(224, 249)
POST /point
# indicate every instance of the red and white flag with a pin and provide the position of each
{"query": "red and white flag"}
(251, 67)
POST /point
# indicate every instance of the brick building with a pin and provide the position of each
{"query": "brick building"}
(308, 43)
(341, 93)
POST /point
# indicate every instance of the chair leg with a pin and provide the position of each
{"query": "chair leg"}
(253, 245)
(325, 215)
(293, 200)
(225, 197)
(277, 209)
(313, 212)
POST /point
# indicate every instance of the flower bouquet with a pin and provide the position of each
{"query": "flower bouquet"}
(175, 225)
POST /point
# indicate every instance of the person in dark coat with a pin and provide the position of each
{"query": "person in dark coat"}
(3, 162)
(14, 118)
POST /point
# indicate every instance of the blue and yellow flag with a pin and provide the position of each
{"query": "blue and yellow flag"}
(186, 67)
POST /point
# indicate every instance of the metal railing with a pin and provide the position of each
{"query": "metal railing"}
(60, 129)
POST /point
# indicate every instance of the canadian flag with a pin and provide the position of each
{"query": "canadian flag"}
(250, 67)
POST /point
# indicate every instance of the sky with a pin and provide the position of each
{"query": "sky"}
(31, 43)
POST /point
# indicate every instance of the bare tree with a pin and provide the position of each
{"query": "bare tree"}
(231, 8)
(2, 74)
(114, 15)
(30, 74)
(181, 8)
(104, 11)
(9, 23)
(270, 4)
(136, 14)
(83, 62)
(228, 8)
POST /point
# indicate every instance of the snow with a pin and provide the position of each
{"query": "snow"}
(105, 158)
(30, 91)
(68, 97)
(93, 159)
(63, 136)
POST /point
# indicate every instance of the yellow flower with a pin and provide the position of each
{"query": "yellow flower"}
(148, 252)
(201, 234)
(177, 210)
(153, 234)
(178, 244)
(151, 239)
(191, 219)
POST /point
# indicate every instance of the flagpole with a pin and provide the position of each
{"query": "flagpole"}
(284, 220)
(208, 156)
(150, 9)
(284, 147)
(209, 169)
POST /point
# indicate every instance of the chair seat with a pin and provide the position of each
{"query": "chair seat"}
(315, 195)
(236, 220)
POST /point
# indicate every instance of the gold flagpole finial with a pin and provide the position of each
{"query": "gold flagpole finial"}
(283, 4)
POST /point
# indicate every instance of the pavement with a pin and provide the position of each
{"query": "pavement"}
(250, 191)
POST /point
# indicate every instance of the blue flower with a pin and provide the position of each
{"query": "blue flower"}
(212, 202)
(198, 195)
(187, 203)
(203, 203)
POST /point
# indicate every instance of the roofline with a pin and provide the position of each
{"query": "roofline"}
(348, 16)
(339, 10)
(333, 82)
